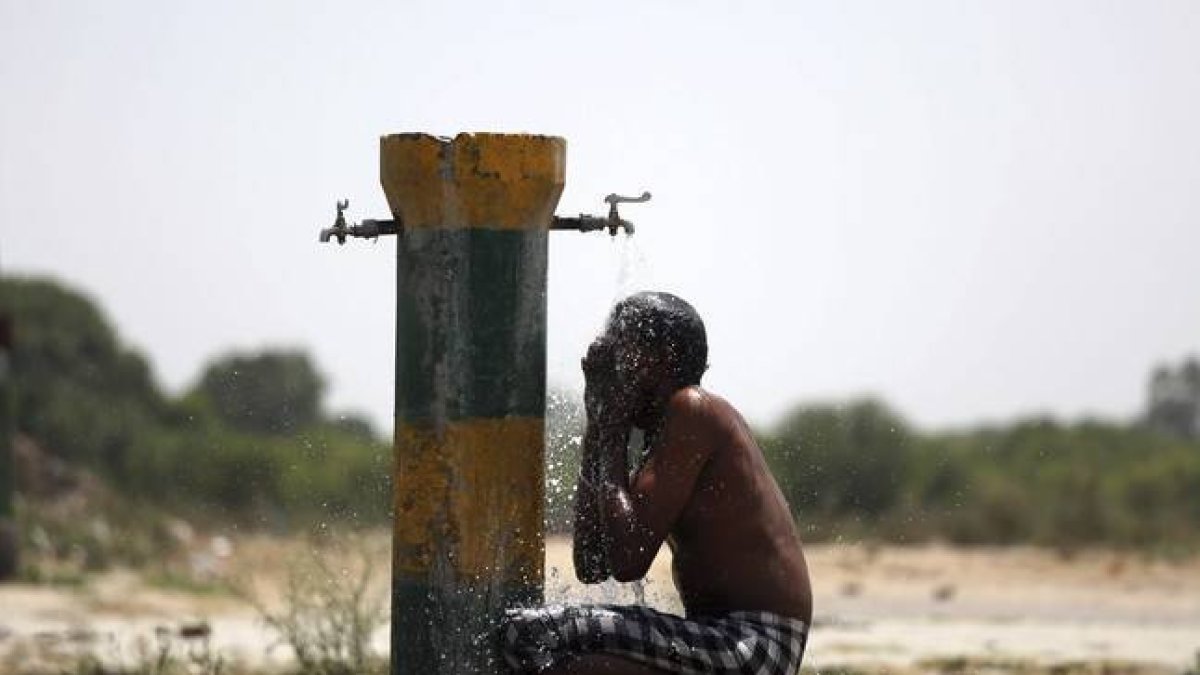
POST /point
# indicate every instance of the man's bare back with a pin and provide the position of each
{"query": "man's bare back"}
(735, 546)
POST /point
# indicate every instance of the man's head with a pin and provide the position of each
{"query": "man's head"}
(659, 343)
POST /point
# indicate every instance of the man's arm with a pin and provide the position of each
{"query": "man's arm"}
(607, 427)
(591, 538)
(638, 515)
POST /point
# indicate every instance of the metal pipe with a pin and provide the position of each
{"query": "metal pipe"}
(586, 223)
(582, 223)
(367, 229)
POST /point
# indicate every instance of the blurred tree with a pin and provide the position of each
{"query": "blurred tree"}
(270, 392)
(79, 392)
(1174, 399)
(355, 424)
(248, 440)
(8, 525)
(841, 460)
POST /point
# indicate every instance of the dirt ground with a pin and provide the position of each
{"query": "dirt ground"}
(895, 606)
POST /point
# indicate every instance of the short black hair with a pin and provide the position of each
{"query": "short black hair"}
(667, 324)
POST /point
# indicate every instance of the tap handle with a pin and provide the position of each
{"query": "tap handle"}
(614, 218)
(615, 199)
(340, 229)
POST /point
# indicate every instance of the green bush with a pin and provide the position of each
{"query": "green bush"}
(1034, 481)
(250, 441)
(79, 390)
(841, 461)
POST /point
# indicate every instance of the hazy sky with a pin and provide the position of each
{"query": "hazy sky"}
(975, 210)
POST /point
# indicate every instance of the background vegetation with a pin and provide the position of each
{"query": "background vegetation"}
(860, 470)
(252, 441)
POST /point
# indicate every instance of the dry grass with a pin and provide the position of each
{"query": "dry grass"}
(333, 601)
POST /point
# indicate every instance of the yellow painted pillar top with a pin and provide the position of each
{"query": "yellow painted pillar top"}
(476, 181)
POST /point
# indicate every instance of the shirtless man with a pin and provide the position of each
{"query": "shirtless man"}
(703, 487)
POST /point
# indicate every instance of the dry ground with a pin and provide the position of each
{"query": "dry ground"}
(899, 608)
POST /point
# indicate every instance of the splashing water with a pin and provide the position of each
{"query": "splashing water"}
(633, 275)
(633, 270)
(564, 428)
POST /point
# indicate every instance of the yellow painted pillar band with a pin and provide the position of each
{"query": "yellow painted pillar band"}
(482, 181)
(470, 489)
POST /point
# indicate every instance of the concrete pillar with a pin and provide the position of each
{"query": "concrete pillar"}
(474, 215)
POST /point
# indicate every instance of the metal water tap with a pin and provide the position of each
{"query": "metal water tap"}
(614, 222)
(339, 228)
(367, 229)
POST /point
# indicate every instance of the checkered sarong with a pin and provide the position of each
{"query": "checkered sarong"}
(749, 643)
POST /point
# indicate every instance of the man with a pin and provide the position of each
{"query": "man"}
(703, 487)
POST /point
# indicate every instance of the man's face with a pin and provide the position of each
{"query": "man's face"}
(636, 372)
(631, 364)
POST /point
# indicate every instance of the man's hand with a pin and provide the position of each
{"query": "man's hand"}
(604, 444)
(603, 398)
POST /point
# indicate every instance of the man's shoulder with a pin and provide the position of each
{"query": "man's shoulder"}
(699, 407)
(689, 397)
(691, 402)
(697, 399)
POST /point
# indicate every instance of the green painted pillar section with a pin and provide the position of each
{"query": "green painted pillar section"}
(474, 215)
(8, 528)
